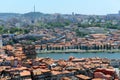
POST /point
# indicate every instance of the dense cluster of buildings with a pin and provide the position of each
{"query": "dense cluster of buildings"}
(65, 39)
(18, 60)
(14, 67)
(24, 20)
(15, 63)
(69, 40)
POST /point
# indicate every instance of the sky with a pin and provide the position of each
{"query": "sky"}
(99, 7)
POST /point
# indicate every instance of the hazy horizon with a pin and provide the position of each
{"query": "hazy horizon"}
(88, 7)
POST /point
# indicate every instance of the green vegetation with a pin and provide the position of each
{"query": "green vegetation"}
(1, 30)
(12, 30)
(58, 24)
(80, 34)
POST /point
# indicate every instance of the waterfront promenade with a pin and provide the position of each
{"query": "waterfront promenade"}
(78, 51)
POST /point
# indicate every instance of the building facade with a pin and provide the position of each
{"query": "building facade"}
(1, 44)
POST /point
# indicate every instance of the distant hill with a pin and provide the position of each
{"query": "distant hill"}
(5, 16)
(33, 14)
(9, 14)
(16, 19)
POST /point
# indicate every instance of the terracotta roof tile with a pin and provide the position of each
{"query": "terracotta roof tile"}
(97, 79)
(25, 73)
(56, 72)
(83, 77)
(66, 78)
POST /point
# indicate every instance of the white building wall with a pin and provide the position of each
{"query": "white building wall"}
(1, 44)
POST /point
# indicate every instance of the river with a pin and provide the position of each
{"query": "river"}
(80, 55)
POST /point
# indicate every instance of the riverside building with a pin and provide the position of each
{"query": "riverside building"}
(1, 41)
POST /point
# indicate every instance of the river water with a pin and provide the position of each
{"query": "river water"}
(80, 55)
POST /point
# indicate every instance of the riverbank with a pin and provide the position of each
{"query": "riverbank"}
(77, 51)
(65, 56)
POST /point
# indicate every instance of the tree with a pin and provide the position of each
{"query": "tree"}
(80, 34)
(1, 29)
(41, 48)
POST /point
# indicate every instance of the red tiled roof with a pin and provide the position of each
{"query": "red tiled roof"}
(97, 79)
(25, 73)
(83, 77)
(65, 78)
(56, 72)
